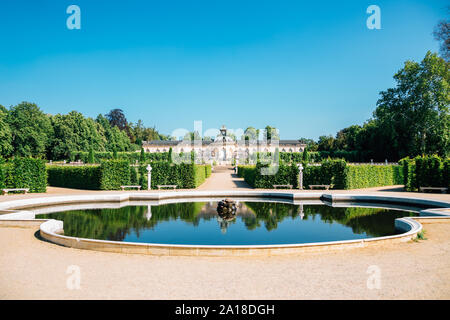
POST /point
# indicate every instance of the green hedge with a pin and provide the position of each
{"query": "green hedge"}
(284, 175)
(200, 174)
(409, 173)
(130, 156)
(426, 171)
(24, 173)
(367, 176)
(208, 170)
(3, 169)
(114, 173)
(334, 172)
(446, 173)
(248, 172)
(184, 175)
(85, 177)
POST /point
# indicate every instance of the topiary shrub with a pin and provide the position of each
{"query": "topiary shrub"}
(26, 173)
(114, 173)
(86, 177)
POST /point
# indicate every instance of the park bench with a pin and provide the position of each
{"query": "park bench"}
(276, 186)
(315, 186)
(442, 189)
(136, 187)
(167, 186)
(5, 191)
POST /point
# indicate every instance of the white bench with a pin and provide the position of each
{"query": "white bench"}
(5, 191)
(167, 186)
(326, 186)
(136, 187)
(442, 189)
(276, 186)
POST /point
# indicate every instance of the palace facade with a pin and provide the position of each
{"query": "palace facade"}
(223, 149)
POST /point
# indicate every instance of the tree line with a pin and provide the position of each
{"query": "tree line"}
(26, 131)
(410, 119)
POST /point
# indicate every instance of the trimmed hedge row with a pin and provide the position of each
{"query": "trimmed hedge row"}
(248, 172)
(334, 172)
(129, 156)
(112, 174)
(426, 171)
(317, 156)
(184, 175)
(208, 170)
(284, 175)
(24, 173)
(86, 177)
(367, 176)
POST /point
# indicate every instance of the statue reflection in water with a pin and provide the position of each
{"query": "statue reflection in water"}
(226, 210)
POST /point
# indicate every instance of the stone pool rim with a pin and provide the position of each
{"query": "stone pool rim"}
(16, 215)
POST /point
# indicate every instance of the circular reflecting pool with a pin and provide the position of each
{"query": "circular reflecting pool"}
(246, 223)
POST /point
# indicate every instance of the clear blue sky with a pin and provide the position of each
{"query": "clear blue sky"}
(308, 68)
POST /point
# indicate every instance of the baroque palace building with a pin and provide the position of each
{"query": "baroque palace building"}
(223, 149)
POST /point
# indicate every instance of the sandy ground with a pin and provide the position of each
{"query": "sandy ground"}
(34, 269)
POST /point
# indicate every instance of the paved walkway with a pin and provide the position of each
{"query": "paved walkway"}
(224, 178)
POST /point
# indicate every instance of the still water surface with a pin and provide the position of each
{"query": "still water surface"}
(255, 223)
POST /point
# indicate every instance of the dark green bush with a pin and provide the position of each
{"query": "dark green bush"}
(368, 176)
(446, 174)
(409, 173)
(130, 156)
(25, 173)
(427, 171)
(334, 172)
(184, 176)
(3, 169)
(85, 177)
(267, 176)
(208, 170)
(247, 172)
(114, 173)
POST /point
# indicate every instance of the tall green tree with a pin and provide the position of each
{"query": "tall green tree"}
(6, 148)
(73, 132)
(271, 133)
(31, 130)
(250, 134)
(442, 34)
(116, 118)
(115, 138)
(326, 143)
(415, 114)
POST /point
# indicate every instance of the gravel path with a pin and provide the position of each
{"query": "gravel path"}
(34, 269)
